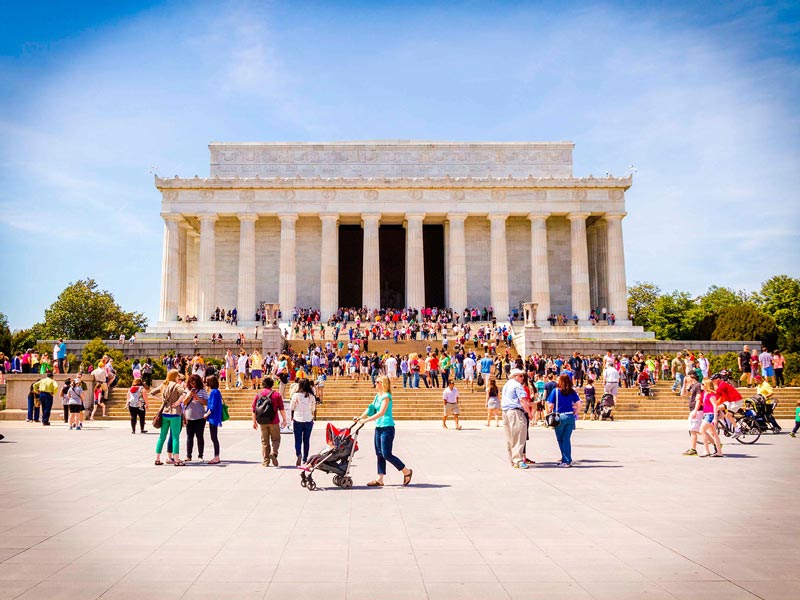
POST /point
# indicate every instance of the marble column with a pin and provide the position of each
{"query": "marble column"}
(579, 259)
(183, 253)
(617, 285)
(457, 267)
(246, 292)
(499, 266)
(415, 261)
(170, 268)
(192, 264)
(207, 276)
(540, 270)
(329, 265)
(371, 280)
(287, 276)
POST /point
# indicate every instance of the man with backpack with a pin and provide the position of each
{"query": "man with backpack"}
(269, 416)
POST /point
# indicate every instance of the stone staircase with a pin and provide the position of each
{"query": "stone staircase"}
(344, 399)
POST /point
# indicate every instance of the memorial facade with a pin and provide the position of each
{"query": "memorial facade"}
(392, 223)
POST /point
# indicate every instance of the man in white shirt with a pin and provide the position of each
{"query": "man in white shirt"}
(469, 371)
(611, 381)
(515, 407)
(391, 367)
(241, 369)
(450, 402)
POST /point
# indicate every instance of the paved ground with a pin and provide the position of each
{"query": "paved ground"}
(87, 515)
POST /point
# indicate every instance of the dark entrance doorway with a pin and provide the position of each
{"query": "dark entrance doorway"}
(433, 246)
(351, 261)
(392, 239)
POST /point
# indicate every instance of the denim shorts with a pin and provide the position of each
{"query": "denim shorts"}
(709, 418)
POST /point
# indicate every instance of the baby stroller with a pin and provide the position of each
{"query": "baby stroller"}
(605, 408)
(335, 459)
(763, 413)
(645, 389)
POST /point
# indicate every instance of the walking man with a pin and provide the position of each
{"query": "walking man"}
(270, 430)
(513, 403)
(450, 402)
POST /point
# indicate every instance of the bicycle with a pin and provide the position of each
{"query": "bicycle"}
(749, 431)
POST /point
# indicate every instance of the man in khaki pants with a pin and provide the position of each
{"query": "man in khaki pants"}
(515, 407)
(270, 432)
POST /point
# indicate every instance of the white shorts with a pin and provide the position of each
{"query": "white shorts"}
(694, 424)
(469, 375)
(733, 406)
(351, 369)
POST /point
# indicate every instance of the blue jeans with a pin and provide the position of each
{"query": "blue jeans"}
(406, 379)
(384, 439)
(46, 401)
(563, 434)
(435, 378)
(33, 411)
(445, 377)
(415, 379)
(302, 438)
(678, 385)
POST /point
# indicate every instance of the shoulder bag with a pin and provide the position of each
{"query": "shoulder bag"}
(553, 419)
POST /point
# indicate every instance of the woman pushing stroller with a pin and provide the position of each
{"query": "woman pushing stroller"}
(380, 411)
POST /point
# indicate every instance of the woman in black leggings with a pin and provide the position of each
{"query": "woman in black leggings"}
(137, 404)
(195, 421)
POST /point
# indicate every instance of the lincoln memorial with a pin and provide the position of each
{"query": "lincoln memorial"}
(392, 223)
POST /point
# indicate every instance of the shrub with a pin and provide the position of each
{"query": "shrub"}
(746, 323)
(717, 362)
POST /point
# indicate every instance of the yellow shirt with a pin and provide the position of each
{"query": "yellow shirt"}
(256, 362)
(765, 389)
(46, 385)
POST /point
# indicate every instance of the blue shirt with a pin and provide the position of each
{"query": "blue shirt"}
(486, 365)
(512, 395)
(386, 420)
(565, 401)
(214, 408)
(62, 350)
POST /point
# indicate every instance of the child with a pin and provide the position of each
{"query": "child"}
(796, 420)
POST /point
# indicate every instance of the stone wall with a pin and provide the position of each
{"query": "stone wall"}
(18, 386)
(651, 347)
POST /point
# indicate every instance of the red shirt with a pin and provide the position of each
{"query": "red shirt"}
(727, 393)
(277, 402)
(434, 363)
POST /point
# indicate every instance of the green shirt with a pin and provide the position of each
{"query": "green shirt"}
(386, 420)
(797, 414)
(445, 363)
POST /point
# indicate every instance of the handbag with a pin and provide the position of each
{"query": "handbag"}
(225, 414)
(553, 418)
(158, 418)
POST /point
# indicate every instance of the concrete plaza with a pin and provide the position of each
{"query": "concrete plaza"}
(87, 515)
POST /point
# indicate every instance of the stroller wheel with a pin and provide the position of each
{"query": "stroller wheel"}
(337, 481)
(303, 482)
(347, 482)
(311, 485)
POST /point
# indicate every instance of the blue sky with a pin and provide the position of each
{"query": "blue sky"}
(703, 100)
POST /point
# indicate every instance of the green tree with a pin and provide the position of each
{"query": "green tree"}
(746, 323)
(716, 299)
(5, 335)
(82, 312)
(779, 298)
(642, 297)
(673, 316)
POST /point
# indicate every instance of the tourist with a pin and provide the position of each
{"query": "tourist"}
(61, 355)
(101, 389)
(778, 363)
(765, 361)
(241, 370)
(256, 369)
(450, 403)
(136, 402)
(564, 402)
(729, 398)
(492, 403)
(302, 406)
(75, 396)
(708, 428)
(47, 388)
(230, 368)
(64, 393)
(214, 415)
(469, 371)
(380, 411)
(743, 362)
(796, 420)
(271, 430)
(195, 416)
(34, 406)
(589, 396)
(147, 373)
(405, 370)
(611, 379)
(172, 401)
(695, 391)
(755, 365)
(514, 406)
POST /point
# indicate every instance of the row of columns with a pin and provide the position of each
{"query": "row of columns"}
(189, 264)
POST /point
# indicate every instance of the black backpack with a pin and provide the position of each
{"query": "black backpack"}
(265, 409)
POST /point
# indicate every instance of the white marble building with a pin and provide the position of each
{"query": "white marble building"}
(392, 222)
